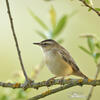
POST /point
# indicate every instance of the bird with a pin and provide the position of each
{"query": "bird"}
(58, 59)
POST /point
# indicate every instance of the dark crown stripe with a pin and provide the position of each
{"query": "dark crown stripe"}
(48, 40)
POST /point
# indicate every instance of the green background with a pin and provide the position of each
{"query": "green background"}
(80, 23)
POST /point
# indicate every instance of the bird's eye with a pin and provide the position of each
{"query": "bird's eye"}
(45, 44)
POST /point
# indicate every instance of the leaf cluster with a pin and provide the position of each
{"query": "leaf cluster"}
(93, 48)
(57, 26)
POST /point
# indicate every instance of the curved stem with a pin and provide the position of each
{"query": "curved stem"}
(92, 88)
(16, 41)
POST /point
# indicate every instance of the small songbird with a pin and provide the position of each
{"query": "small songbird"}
(58, 59)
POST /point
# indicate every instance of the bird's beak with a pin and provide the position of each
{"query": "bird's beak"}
(37, 44)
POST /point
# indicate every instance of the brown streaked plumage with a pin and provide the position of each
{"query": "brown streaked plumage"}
(58, 59)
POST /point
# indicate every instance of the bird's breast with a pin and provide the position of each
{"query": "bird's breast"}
(56, 64)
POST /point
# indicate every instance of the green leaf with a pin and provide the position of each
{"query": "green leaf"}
(91, 44)
(98, 45)
(87, 1)
(90, 2)
(97, 9)
(85, 50)
(97, 55)
(60, 26)
(41, 34)
(89, 9)
(53, 17)
(43, 25)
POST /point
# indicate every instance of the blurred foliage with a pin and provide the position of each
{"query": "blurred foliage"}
(14, 94)
(57, 26)
(90, 2)
(97, 9)
(93, 47)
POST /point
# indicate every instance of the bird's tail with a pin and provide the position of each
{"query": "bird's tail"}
(80, 74)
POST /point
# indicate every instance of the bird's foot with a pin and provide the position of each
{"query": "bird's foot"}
(50, 81)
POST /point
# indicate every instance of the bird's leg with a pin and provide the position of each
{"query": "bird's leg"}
(62, 79)
(49, 81)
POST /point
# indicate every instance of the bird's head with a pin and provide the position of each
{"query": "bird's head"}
(47, 44)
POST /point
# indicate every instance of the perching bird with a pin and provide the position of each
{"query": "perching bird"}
(58, 59)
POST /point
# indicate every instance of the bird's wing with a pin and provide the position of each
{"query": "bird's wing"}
(67, 58)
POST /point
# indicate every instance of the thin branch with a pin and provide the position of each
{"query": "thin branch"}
(71, 83)
(92, 88)
(15, 39)
(51, 83)
(90, 7)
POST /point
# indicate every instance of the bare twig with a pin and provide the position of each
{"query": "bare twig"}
(16, 41)
(69, 83)
(92, 88)
(51, 83)
(90, 7)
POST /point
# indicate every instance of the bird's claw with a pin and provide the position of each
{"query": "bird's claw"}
(49, 82)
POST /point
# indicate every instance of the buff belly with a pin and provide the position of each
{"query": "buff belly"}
(57, 65)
